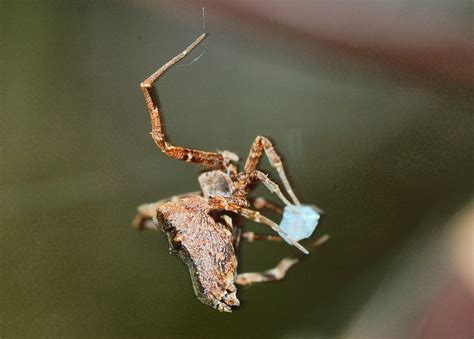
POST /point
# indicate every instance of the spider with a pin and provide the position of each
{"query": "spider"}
(196, 224)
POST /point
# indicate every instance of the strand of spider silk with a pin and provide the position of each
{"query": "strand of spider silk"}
(204, 29)
(194, 60)
(203, 18)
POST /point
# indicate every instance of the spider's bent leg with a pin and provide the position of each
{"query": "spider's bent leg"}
(260, 145)
(260, 203)
(157, 132)
(145, 218)
(274, 274)
(220, 203)
(277, 273)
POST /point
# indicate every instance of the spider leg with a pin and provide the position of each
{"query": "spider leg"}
(220, 203)
(252, 236)
(269, 184)
(260, 145)
(157, 132)
(274, 274)
(260, 203)
(279, 271)
(145, 218)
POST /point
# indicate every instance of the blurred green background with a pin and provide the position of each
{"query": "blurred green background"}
(379, 153)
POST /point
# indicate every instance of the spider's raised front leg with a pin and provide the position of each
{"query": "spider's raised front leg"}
(260, 145)
(146, 216)
(157, 133)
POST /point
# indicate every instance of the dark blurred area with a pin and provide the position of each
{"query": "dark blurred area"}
(370, 104)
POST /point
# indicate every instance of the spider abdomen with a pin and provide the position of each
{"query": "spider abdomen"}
(205, 246)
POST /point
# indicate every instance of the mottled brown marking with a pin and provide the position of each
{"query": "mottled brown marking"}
(205, 246)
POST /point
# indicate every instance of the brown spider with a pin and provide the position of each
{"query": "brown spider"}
(195, 223)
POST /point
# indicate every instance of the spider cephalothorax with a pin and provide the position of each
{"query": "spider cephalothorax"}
(216, 183)
(196, 224)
